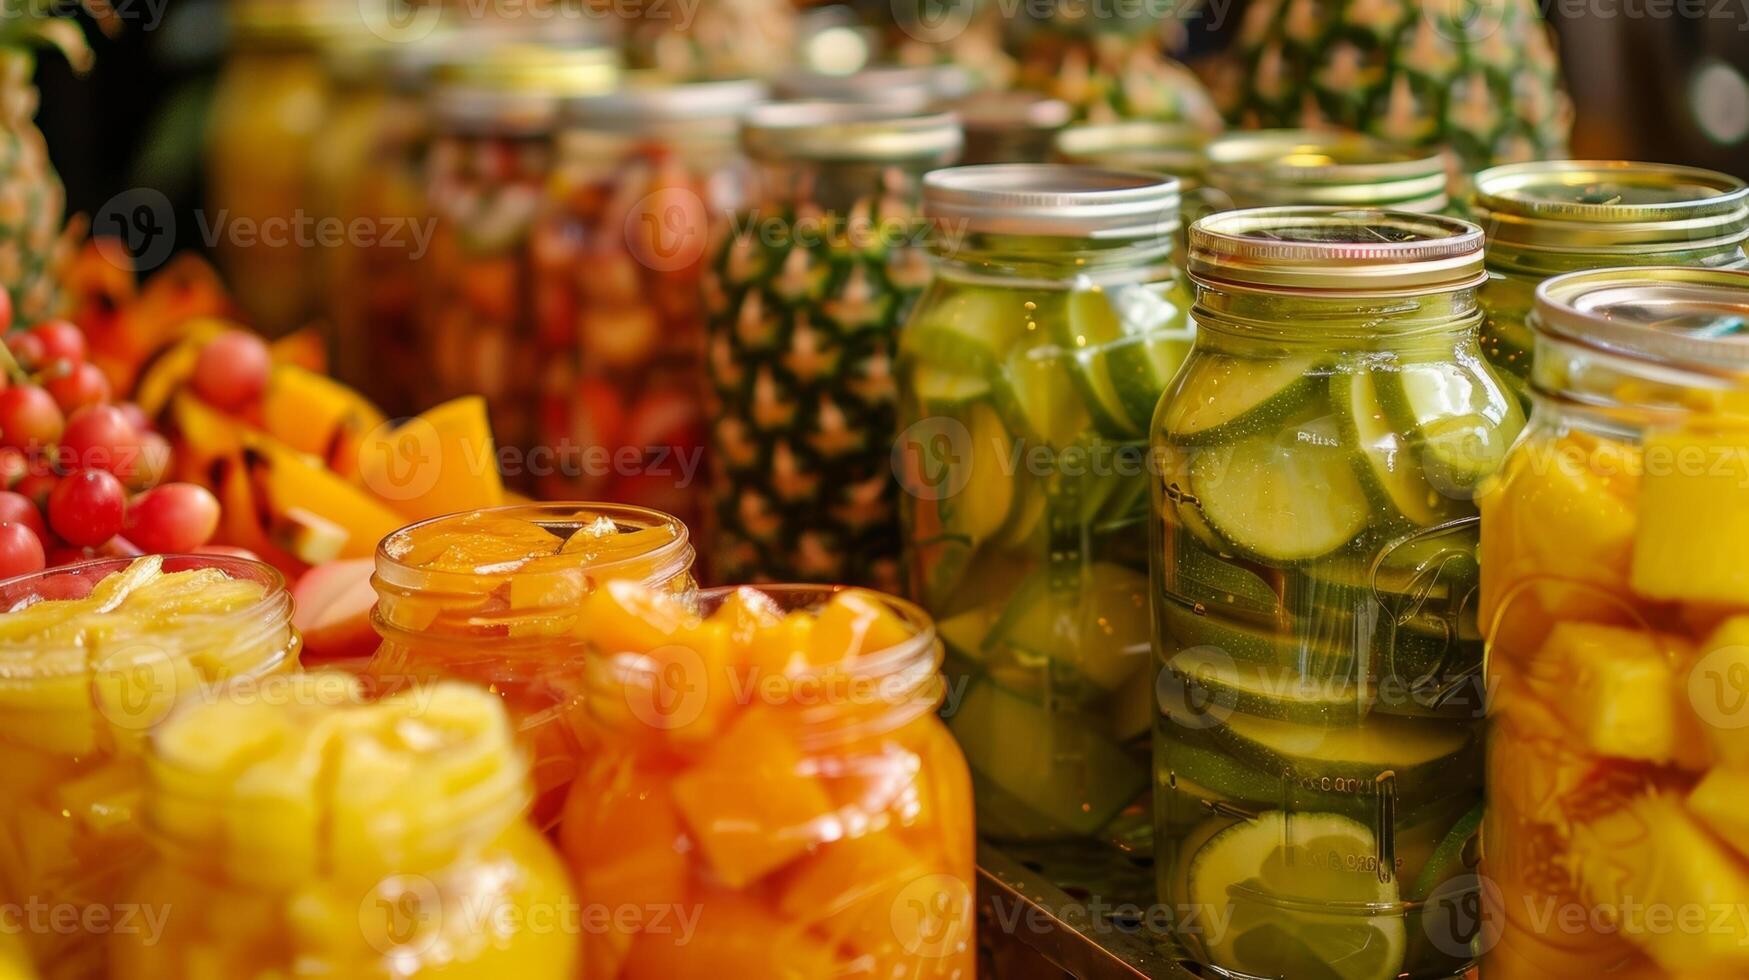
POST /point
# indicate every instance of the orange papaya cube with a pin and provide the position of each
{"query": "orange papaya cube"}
(1694, 518)
(948, 807)
(729, 937)
(1616, 690)
(833, 884)
(855, 623)
(623, 837)
(439, 462)
(752, 800)
(1717, 688)
(1721, 802)
(757, 632)
(626, 617)
(919, 925)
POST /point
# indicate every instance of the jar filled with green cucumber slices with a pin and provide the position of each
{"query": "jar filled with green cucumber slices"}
(804, 294)
(1318, 775)
(1558, 216)
(1270, 167)
(1028, 374)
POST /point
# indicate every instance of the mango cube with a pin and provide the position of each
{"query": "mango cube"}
(1718, 801)
(732, 938)
(1694, 518)
(752, 800)
(854, 624)
(623, 836)
(1717, 686)
(1616, 690)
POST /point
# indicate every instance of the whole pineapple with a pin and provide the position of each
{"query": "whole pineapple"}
(1479, 76)
(802, 337)
(1111, 69)
(32, 201)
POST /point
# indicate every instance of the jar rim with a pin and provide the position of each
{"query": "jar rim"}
(645, 100)
(912, 87)
(272, 611)
(1179, 149)
(1317, 167)
(1615, 311)
(1055, 200)
(849, 131)
(1542, 206)
(1335, 251)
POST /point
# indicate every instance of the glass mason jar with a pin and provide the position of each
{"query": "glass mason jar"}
(304, 830)
(1544, 219)
(271, 102)
(1270, 167)
(1009, 127)
(368, 175)
(1318, 777)
(491, 597)
(1028, 374)
(91, 656)
(805, 294)
(902, 88)
(1617, 615)
(771, 759)
(616, 260)
(1175, 149)
(495, 115)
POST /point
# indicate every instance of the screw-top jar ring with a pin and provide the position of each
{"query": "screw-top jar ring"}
(1053, 200)
(1677, 316)
(1335, 251)
(1592, 205)
(848, 131)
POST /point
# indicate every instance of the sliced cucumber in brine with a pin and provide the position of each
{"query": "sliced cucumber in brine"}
(1218, 683)
(1457, 414)
(978, 507)
(941, 389)
(1330, 643)
(1219, 397)
(1058, 765)
(1422, 759)
(1098, 629)
(1384, 463)
(965, 328)
(1124, 367)
(1278, 498)
(1045, 395)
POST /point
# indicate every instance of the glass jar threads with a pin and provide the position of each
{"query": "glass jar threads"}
(642, 177)
(806, 294)
(495, 113)
(1318, 759)
(1614, 602)
(1544, 219)
(1029, 372)
(1262, 168)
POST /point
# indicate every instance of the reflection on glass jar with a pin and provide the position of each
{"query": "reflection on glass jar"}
(1544, 219)
(91, 657)
(491, 597)
(268, 111)
(1029, 373)
(495, 114)
(307, 829)
(805, 294)
(771, 759)
(617, 257)
(1616, 608)
(1318, 776)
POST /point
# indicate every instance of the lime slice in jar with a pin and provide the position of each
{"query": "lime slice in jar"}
(1386, 465)
(1304, 896)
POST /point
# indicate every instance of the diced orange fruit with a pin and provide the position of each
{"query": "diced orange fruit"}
(832, 885)
(733, 938)
(758, 632)
(475, 542)
(1721, 802)
(440, 462)
(1694, 518)
(1617, 690)
(751, 800)
(285, 479)
(856, 623)
(317, 415)
(1717, 688)
(627, 617)
(624, 837)
(1653, 864)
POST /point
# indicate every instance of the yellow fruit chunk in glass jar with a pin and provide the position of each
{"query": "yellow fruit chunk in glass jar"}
(1617, 618)
(303, 829)
(91, 656)
(771, 759)
(494, 597)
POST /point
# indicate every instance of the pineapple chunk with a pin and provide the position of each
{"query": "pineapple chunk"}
(1718, 802)
(853, 624)
(1668, 885)
(1616, 690)
(1694, 518)
(1718, 690)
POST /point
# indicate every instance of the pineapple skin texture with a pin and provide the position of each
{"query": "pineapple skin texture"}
(1488, 86)
(32, 200)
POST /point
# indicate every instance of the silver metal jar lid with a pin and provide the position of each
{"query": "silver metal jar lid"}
(913, 87)
(1275, 167)
(646, 101)
(1155, 147)
(1610, 205)
(849, 131)
(1054, 200)
(1675, 316)
(1335, 251)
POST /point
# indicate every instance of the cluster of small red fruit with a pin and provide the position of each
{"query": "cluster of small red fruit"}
(82, 472)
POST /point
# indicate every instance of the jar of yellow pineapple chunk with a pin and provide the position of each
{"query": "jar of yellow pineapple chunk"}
(91, 656)
(1615, 599)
